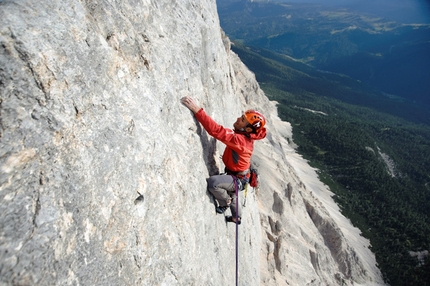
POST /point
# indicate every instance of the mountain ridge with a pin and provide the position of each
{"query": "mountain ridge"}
(391, 56)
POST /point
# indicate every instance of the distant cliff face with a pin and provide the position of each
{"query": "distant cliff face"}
(103, 171)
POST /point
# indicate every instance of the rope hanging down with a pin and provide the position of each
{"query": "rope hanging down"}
(237, 230)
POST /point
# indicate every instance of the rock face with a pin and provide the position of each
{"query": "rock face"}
(103, 170)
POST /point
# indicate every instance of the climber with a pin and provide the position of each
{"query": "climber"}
(237, 154)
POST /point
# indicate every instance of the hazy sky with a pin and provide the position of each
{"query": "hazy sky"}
(417, 11)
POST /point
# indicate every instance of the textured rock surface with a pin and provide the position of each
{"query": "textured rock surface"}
(103, 172)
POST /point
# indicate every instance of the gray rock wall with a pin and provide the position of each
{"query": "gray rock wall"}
(103, 171)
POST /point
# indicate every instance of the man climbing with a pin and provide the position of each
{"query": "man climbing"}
(237, 154)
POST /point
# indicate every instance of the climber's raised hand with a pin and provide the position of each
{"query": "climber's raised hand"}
(190, 103)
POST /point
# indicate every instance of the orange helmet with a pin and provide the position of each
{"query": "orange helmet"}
(255, 119)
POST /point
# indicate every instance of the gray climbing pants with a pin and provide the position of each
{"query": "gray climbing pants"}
(222, 187)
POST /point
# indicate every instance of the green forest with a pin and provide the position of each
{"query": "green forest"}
(372, 150)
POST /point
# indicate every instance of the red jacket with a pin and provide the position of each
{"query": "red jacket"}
(238, 152)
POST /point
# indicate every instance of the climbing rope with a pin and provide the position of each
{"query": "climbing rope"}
(237, 230)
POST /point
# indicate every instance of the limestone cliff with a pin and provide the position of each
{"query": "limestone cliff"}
(103, 171)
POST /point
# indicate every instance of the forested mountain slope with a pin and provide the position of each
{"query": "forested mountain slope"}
(376, 159)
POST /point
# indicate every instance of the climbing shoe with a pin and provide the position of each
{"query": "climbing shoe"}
(230, 219)
(221, 210)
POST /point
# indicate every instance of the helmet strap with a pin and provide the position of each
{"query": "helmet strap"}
(247, 129)
(251, 128)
